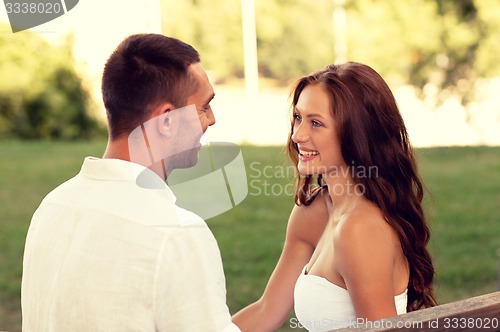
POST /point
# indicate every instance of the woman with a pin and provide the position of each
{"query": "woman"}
(356, 240)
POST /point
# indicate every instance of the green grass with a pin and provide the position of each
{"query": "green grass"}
(463, 208)
(464, 183)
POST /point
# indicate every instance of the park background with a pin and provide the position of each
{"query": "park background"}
(440, 57)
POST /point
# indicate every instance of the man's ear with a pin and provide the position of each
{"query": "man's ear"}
(164, 119)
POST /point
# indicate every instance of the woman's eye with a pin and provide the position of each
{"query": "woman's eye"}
(316, 123)
(297, 117)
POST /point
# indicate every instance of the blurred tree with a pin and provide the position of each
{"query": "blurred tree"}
(294, 38)
(461, 35)
(213, 27)
(58, 111)
(289, 43)
(41, 95)
(394, 37)
(488, 52)
(448, 43)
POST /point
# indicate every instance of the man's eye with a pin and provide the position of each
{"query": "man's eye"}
(207, 107)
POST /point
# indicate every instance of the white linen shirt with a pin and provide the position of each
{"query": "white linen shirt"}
(105, 254)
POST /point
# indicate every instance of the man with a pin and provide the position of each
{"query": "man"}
(109, 250)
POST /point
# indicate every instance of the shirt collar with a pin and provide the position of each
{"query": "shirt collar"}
(122, 170)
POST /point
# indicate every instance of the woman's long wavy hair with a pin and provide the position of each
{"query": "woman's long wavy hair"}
(372, 134)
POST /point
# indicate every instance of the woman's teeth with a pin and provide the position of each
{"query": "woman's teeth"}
(308, 153)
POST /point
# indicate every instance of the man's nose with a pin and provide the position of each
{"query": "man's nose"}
(210, 117)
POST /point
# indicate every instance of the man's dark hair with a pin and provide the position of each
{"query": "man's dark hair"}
(144, 71)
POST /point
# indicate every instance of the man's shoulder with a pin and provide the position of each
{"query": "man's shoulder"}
(61, 190)
(113, 199)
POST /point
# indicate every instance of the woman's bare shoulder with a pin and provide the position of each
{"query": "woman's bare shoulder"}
(368, 255)
(365, 232)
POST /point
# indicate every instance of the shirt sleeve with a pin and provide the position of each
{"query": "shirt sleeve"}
(190, 285)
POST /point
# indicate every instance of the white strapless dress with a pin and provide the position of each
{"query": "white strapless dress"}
(322, 306)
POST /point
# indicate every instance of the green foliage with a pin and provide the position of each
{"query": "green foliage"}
(213, 27)
(41, 95)
(445, 42)
(397, 38)
(290, 43)
(486, 61)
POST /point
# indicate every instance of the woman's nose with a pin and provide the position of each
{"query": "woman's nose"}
(299, 135)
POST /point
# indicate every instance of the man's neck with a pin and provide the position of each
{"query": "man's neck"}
(119, 149)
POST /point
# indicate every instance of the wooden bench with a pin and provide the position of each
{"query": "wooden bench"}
(480, 313)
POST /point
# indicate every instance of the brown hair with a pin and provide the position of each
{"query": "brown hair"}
(144, 71)
(372, 134)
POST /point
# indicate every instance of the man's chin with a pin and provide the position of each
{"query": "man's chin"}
(191, 163)
(189, 158)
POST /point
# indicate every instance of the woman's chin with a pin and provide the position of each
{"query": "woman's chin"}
(307, 169)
